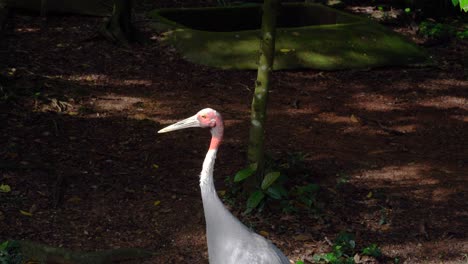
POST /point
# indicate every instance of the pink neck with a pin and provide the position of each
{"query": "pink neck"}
(217, 134)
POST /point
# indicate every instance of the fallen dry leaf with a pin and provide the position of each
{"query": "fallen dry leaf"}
(302, 237)
(26, 213)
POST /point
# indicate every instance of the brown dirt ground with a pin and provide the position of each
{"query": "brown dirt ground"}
(78, 146)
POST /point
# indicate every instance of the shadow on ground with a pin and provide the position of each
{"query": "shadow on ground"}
(79, 147)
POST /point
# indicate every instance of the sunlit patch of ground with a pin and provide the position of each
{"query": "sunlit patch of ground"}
(385, 145)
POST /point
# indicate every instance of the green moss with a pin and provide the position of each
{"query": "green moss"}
(308, 36)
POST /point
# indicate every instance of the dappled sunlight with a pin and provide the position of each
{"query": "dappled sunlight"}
(375, 102)
(193, 237)
(118, 82)
(386, 146)
(460, 118)
(27, 29)
(240, 48)
(452, 251)
(333, 118)
(421, 180)
(89, 79)
(114, 102)
(445, 102)
(436, 84)
(305, 110)
(344, 41)
(408, 128)
(102, 79)
(399, 174)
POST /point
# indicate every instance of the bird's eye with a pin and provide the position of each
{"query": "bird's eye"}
(203, 116)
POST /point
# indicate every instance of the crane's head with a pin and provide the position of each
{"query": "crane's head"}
(204, 118)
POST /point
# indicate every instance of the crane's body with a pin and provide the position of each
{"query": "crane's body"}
(229, 241)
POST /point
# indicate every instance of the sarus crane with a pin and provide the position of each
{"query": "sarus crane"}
(229, 241)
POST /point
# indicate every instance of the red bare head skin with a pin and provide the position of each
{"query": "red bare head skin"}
(212, 119)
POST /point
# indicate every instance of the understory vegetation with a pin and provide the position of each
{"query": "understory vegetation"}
(276, 190)
(367, 164)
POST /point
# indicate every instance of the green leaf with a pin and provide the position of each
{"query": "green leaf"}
(25, 213)
(299, 262)
(330, 257)
(372, 250)
(306, 201)
(464, 5)
(318, 257)
(283, 191)
(337, 250)
(255, 199)
(269, 179)
(4, 245)
(244, 174)
(5, 188)
(407, 10)
(455, 2)
(274, 192)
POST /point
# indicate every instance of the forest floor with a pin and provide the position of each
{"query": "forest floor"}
(87, 170)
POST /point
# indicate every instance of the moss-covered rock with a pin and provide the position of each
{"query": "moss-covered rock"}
(308, 36)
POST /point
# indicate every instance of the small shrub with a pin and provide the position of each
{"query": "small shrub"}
(344, 250)
(373, 250)
(10, 253)
(434, 30)
(273, 186)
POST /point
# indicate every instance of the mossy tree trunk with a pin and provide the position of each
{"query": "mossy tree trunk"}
(119, 28)
(262, 86)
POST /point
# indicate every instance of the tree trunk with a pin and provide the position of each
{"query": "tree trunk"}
(119, 28)
(262, 86)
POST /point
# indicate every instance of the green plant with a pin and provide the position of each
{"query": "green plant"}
(10, 253)
(372, 250)
(344, 244)
(306, 195)
(463, 4)
(434, 30)
(344, 249)
(273, 186)
(342, 179)
(269, 188)
(462, 34)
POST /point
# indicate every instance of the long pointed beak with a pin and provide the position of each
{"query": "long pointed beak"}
(186, 123)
